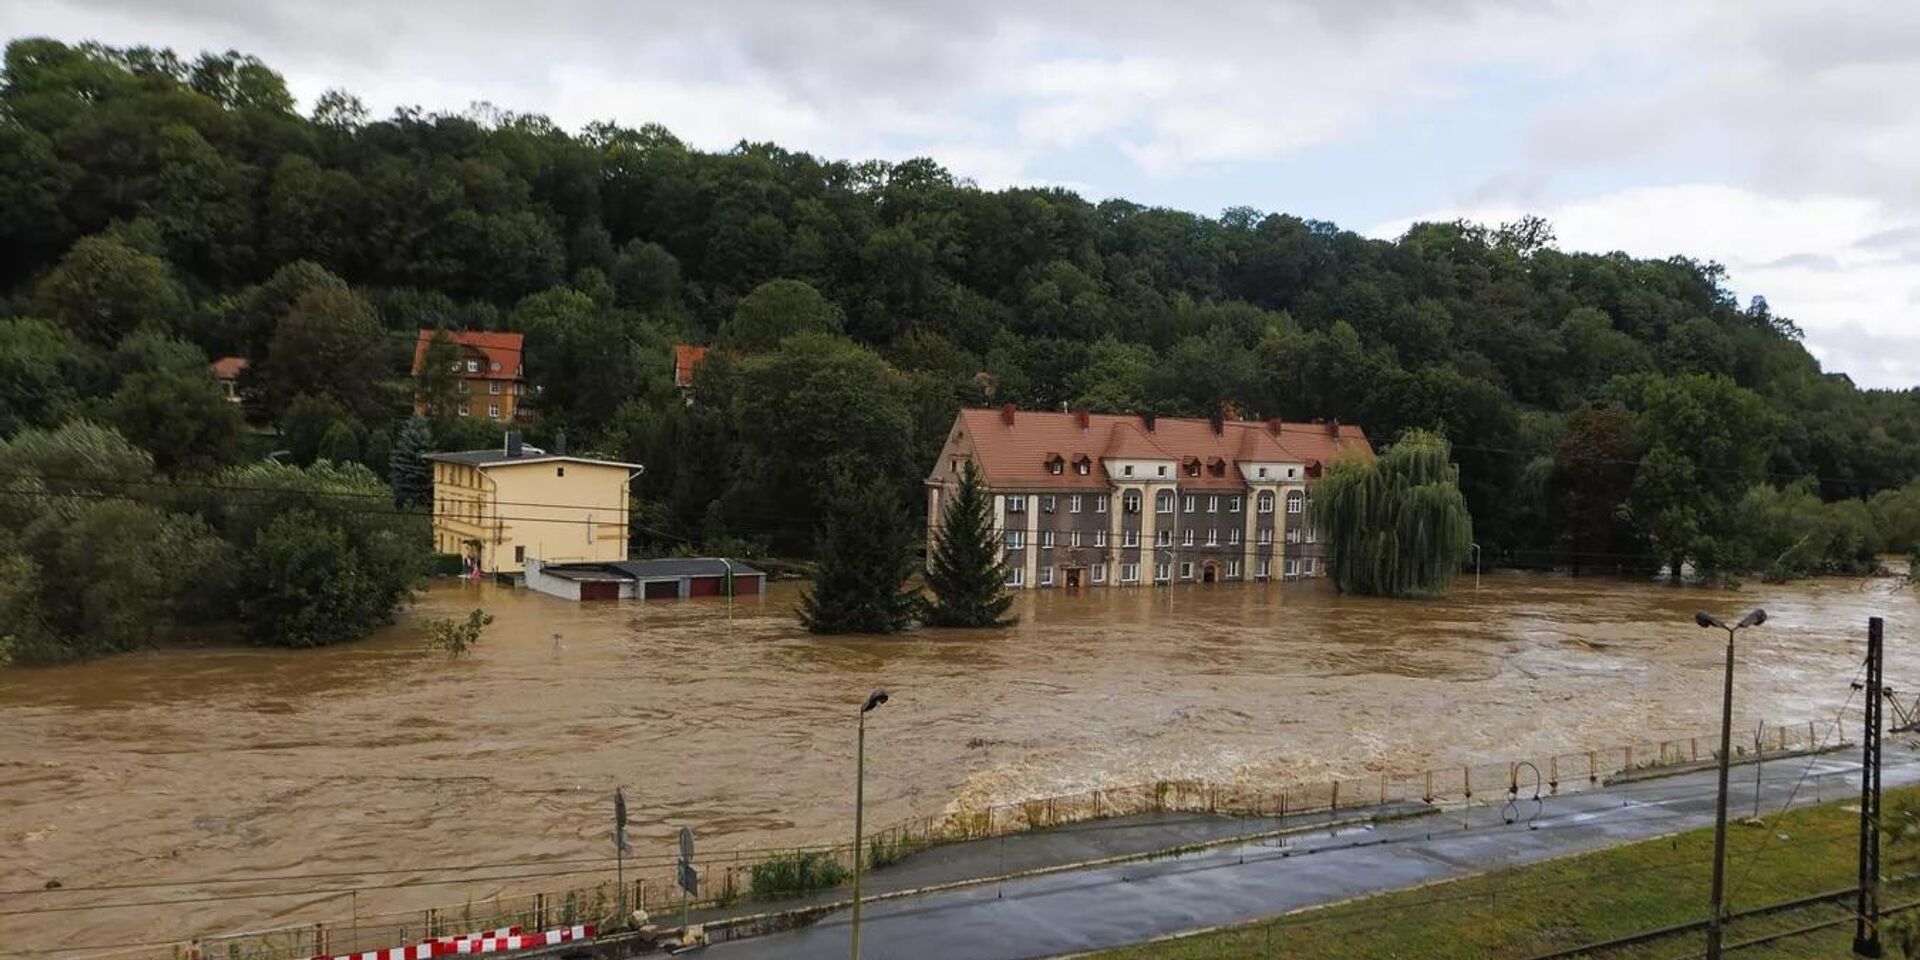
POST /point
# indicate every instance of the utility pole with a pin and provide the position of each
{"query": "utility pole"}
(1866, 928)
(1716, 920)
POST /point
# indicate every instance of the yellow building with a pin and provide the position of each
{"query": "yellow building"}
(497, 508)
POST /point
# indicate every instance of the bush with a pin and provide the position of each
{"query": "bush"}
(792, 874)
(445, 565)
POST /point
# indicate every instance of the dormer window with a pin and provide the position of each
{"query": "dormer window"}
(1217, 467)
(1082, 464)
(1055, 464)
(1191, 466)
(496, 366)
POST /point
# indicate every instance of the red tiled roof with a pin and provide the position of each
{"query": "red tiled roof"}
(229, 368)
(499, 353)
(1016, 456)
(687, 358)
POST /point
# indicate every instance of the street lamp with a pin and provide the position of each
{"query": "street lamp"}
(874, 699)
(1705, 619)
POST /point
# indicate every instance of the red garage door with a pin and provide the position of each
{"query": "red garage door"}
(599, 590)
(662, 590)
(705, 586)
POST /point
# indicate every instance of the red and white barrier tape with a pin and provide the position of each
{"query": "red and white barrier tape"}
(502, 940)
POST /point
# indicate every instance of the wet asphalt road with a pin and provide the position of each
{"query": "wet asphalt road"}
(1114, 906)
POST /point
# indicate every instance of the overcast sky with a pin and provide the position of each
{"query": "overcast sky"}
(1779, 138)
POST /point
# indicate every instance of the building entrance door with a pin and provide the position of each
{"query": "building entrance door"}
(1210, 573)
(1073, 578)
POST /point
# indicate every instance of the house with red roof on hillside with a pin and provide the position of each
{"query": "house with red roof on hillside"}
(492, 380)
(1087, 499)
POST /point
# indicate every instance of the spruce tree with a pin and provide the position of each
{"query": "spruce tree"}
(968, 576)
(865, 557)
(407, 468)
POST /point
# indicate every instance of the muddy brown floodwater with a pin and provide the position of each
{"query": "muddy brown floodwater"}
(187, 766)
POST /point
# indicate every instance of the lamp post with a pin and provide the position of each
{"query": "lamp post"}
(1705, 619)
(874, 699)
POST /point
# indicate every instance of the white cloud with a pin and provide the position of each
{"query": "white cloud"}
(1843, 268)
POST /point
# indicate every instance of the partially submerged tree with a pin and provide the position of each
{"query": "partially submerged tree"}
(968, 575)
(865, 556)
(1395, 526)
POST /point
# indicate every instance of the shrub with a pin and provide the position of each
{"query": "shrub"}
(792, 874)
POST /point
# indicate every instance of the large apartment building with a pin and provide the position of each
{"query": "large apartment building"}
(490, 380)
(1099, 499)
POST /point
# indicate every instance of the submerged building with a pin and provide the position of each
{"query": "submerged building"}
(1099, 499)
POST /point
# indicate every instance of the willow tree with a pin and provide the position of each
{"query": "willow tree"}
(1395, 526)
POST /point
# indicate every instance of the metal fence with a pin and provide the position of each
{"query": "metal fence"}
(729, 878)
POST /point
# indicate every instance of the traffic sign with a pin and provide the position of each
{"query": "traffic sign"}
(689, 879)
(686, 845)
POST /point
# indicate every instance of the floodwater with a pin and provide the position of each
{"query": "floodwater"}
(187, 766)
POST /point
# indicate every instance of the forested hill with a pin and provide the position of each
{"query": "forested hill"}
(1604, 409)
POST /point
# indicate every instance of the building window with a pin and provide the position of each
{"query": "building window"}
(1016, 540)
(1055, 467)
(1099, 538)
(1213, 504)
(1098, 573)
(463, 409)
(559, 471)
(1233, 569)
(1186, 570)
(1129, 573)
(461, 387)
(1016, 504)
(1233, 504)
(1016, 576)
(1046, 539)
(493, 387)
(1131, 502)
(1294, 501)
(1263, 473)
(1266, 535)
(1084, 467)
(1047, 503)
(493, 411)
(1073, 539)
(496, 366)
(1164, 538)
(1100, 504)
(1131, 539)
(1266, 502)
(519, 554)
(1213, 538)
(1261, 570)
(1189, 504)
(1073, 504)
(1127, 470)
(1290, 472)
(1310, 566)
(1186, 537)
(1293, 534)
(473, 366)
(1163, 470)
(1163, 502)
(1046, 576)
(1233, 537)
(1162, 572)
(1292, 567)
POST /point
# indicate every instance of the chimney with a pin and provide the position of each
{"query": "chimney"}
(559, 443)
(1333, 427)
(1275, 425)
(1218, 422)
(513, 443)
(1147, 419)
(1006, 413)
(1083, 418)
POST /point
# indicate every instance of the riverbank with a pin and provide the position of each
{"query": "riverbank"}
(1562, 904)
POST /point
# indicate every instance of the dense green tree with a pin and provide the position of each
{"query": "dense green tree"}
(581, 360)
(181, 415)
(645, 276)
(811, 411)
(776, 310)
(305, 586)
(340, 444)
(44, 372)
(967, 573)
(437, 382)
(865, 556)
(103, 290)
(409, 472)
(1395, 526)
(329, 344)
(305, 425)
